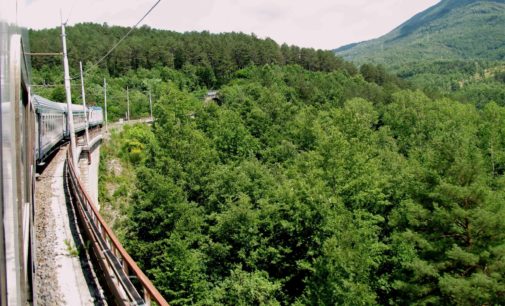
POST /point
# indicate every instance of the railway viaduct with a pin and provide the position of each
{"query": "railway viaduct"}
(79, 259)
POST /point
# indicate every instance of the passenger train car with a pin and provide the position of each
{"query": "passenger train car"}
(52, 127)
(17, 128)
(95, 116)
(30, 128)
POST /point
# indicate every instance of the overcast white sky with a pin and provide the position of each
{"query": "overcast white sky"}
(325, 24)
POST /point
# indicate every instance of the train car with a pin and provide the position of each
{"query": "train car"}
(79, 114)
(17, 168)
(95, 116)
(51, 125)
(30, 127)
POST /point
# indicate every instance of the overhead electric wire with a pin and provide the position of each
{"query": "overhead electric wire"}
(126, 35)
(71, 11)
(117, 44)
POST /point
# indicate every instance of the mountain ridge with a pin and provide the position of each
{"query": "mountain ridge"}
(445, 31)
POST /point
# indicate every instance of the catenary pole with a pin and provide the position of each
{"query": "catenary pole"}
(150, 105)
(84, 105)
(127, 104)
(70, 115)
(105, 100)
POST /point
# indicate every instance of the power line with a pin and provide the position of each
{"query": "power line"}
(71, 11)
(126, 35)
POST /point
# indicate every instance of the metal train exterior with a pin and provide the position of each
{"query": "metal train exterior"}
(17, 128)
(52, 127)
(30, 127)
(95, 116)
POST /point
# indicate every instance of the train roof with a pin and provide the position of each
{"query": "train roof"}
(42, 104)
(76, 108)
(45, 105)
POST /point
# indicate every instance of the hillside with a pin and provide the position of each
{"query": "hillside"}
(314, 188)
(450, 30)
(309, 183)
(213, 56)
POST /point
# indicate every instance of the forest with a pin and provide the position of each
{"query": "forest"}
(195, 60)
(303, 183)
(316, 188)
(477, 82)
(450, 30)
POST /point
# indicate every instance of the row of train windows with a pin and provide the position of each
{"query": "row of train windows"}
(51, 122)
(79, 118)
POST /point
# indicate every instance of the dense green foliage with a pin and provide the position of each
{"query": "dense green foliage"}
(149, 58)
(139, 82)
(450, 30)
(116, 181)
(212, 57)
(308, 181)
(319, 188)
(474, 82)
(453, 49)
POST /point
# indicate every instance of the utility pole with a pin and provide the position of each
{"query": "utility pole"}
(105, 101)
(127, 104)
(151, 105)
(70, 115)
(84, 104)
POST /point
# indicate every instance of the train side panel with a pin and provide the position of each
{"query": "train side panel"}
(51, 125)
(79, 115)
(95, 116)
(17, 165)
(52, 130)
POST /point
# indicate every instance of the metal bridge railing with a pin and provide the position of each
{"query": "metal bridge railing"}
(116, 264)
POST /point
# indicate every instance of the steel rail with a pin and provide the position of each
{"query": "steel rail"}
(115, 262)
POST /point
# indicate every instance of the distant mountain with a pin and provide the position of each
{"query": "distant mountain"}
(450, 30)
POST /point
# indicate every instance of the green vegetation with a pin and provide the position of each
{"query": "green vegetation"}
(150, 58)
(474, 82)
(318, 188)
(308, 182)
(116, 181)
(71, 249)
(453, 49)
(450, 30)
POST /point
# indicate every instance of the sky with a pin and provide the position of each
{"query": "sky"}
(323, 24)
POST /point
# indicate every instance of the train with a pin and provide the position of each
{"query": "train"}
(31, 127)
(52, 127)
(17, 169)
